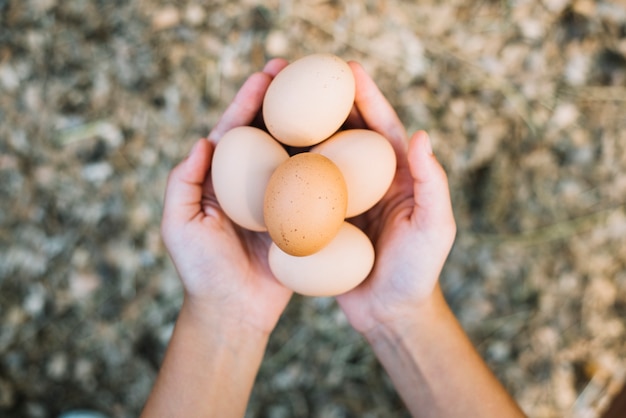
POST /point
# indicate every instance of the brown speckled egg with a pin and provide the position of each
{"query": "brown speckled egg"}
(305, 203)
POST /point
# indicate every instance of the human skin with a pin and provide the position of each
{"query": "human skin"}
(232, 302)
(399, 308)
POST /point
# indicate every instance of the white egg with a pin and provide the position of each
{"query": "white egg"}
(337, 268)
(243, 162)
(368, 164)
(309, 100)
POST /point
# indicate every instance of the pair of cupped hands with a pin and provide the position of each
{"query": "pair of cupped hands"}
(224, 268)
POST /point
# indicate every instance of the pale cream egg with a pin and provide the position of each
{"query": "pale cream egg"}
(243, 162)
(309, 100)
(335, 269)
(368, 164)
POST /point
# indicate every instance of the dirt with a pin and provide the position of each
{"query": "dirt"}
(525, 102)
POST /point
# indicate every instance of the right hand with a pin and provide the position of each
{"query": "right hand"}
(412, 227)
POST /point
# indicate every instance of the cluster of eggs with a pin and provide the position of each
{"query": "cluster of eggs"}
(303, 200)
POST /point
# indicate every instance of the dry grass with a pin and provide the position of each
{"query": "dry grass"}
(524, 102)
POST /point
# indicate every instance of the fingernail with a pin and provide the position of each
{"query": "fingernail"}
(428, 145)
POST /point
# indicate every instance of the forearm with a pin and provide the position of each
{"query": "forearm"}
(436, 369)
(209, 368)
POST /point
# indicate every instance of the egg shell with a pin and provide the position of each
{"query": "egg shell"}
(368, 164)
(243, 162)
(337, 268)
(309, 100)
(305, 203)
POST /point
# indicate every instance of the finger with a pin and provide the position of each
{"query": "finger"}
(183, 194)
(433, 207)
(245, 105)
(274, 66)
(376, 111)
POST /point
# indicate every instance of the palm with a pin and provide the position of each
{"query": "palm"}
(393, 286)
(411, 227)
(223, 267)
(388, 226)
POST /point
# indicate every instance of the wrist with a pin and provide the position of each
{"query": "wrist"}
(429, 312)
(209, 367)
(206, 321)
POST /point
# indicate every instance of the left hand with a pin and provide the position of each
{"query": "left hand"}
(224, 268)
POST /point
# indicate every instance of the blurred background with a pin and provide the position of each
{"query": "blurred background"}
(525, 101)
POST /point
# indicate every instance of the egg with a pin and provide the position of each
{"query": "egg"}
(305, 203)
(309, 100)
(368, 164)
(243, 162)
(337, 268)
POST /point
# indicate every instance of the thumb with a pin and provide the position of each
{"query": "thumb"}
(183, 194)
(433, 207)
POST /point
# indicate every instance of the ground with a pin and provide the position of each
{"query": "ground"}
(525, 102)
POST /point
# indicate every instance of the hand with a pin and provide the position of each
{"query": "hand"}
(223, 267)
(412, 227)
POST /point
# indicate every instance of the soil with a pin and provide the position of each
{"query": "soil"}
(525, 101)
